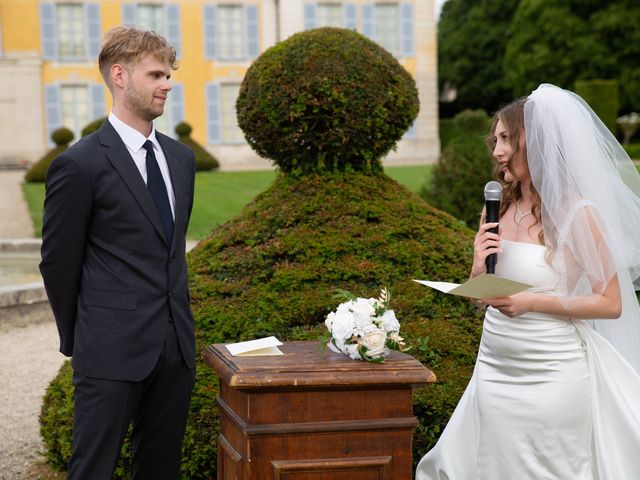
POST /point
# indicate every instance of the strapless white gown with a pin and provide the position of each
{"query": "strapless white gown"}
(549, 399)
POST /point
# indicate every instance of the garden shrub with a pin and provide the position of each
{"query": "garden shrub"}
(274, 268)
(204, 160)
(633, 150)
(464, 166)
(326, 99)
(603, 97)
(92, 126)
(62, 137)
(447, 130)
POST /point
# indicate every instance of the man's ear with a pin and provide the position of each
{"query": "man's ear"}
(118, 75)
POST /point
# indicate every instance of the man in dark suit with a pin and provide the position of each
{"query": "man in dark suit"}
(113, 241)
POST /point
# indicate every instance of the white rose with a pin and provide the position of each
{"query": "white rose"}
(352, 351)
(390, 322)
(362, 306)
(362, 313)
(374, 343)
(342, 325)
(329, 320)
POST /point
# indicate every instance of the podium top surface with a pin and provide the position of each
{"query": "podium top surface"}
(305, 364)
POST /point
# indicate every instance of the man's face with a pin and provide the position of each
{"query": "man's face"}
(146, 87)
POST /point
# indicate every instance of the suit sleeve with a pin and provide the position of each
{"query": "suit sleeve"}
(67, 212)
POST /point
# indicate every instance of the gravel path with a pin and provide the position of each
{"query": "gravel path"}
(29, 359)
(29, 356)
(15, 221)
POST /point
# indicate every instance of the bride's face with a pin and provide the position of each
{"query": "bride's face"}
(514, 167)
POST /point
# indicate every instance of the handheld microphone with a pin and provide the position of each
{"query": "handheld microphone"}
(492, 195)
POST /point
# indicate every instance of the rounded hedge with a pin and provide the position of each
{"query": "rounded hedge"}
(183, 129)
(92, 126)
(38, 171)
(204, 160)
(274, 269)
(458, 179)
(326, 99)
(62, 136)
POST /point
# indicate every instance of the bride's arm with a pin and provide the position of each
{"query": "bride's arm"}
(605, 300)
(601, 306)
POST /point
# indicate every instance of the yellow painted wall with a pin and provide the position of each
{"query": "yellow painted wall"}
(21, 33)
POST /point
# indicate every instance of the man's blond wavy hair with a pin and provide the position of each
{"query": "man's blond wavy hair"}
(126, 45)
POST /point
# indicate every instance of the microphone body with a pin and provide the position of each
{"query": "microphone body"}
(492, 195)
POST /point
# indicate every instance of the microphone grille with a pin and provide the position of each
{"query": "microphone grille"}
(492, 191)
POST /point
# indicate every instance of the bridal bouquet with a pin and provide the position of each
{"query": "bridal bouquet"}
(364, 328)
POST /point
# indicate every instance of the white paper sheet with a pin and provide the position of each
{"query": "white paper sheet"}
(260, 346)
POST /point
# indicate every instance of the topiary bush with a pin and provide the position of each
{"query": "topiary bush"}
(62, 137)
(326, 99)
(273, 269)
(462, 170)
(204, 160)
(92, 126)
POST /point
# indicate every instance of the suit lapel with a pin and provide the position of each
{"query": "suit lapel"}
(121, 160)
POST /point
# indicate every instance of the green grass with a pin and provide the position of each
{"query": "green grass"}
(34, 194)
(220, 196)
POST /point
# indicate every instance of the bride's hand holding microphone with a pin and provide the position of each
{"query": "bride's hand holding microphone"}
(485, 244)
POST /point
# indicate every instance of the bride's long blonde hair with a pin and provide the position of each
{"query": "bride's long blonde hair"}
(512, 117)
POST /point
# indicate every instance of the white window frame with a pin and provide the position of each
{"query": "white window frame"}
(171, 28)
(216, 122)
(405, 26)
(50, 31)
(53, 106)
(248, 40)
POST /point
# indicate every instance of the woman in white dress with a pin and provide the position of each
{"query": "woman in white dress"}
(555, 394)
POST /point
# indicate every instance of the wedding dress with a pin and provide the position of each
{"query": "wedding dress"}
(549, 398)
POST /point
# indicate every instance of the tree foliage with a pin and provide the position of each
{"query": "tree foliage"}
(493, 51)
(472, 37)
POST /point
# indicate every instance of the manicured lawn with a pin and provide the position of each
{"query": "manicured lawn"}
(222, 195)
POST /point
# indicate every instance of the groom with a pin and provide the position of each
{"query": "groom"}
(113, 240)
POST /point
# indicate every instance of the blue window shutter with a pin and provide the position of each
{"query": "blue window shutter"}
(349, 16)
(177, 105)
(129, 14)
(213, 113)
(310, 18)
(52, 109)
(406, 30)
(48, 33)
(251, 26)
(97, 101)
(367, 21)
(92, 21)
(210, 31)
(173, 28)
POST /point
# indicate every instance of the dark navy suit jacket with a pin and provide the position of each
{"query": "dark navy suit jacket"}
(112, 280)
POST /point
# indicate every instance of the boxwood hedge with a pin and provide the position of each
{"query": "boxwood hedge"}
(326, 99)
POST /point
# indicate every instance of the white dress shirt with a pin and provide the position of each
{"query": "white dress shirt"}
(134, 142)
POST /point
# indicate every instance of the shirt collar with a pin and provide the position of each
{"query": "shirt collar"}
(131, 137)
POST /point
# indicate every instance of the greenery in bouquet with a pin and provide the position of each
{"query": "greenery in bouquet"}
(364, 328)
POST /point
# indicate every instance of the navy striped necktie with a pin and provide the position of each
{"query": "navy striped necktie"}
(158, 191)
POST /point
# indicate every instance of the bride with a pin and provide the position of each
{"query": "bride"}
(555, 393)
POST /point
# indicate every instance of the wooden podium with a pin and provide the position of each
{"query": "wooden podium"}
(314, 415)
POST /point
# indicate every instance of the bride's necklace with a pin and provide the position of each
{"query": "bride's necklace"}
(518, 214)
